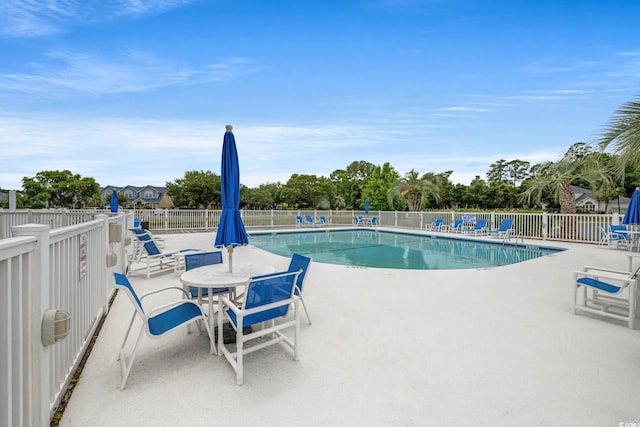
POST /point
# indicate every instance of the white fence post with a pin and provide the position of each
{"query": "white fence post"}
(37, 397)
(545, 225)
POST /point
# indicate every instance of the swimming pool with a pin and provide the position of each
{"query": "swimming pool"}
(386, 249)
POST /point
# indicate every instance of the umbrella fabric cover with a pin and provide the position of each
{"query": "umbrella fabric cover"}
(231, 231)
(113, 203)
(366, 205)
(632, 214)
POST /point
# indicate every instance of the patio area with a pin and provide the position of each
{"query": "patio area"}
(490, 347)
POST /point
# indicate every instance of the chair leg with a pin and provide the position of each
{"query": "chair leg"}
(126, 367)
(126, 335)
(304, 306)
(239, 353)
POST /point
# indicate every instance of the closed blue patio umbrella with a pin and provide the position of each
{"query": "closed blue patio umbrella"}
(231, 230)
(113, 203)
(632, 214)
(366, 205)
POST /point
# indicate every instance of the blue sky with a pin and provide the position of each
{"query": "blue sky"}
(139, 91)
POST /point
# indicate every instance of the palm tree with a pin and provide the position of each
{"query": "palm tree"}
(623, 135)
(414, 189)
(557, 178)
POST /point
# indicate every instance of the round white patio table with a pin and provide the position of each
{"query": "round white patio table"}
(218, 276)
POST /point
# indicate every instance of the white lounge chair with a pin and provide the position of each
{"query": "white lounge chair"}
(607, 292)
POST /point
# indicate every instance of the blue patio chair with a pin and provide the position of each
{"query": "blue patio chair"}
(504, 231)
(309, 221)
(300, 263)
(479, 228)
(358, 220)
(373, 221)
(619, 238)
(436, 225)
(323, 220)
(200, 259)
(456, 227)
(266, 299)
(156, 321)
(137, 223)
(299, 221)
(606, 292)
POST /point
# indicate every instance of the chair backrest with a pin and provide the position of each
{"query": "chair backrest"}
(439, 222)
(323, 219)
(151, 248)
(136, 222)
(309, 219)
(299, 262)
(619, 229)
(265, 290)
(506, 224)
(141, 234)
(123, 283)
(480, 224)
(201, 259)
(457, 223)
(299, 219)
(374, 220)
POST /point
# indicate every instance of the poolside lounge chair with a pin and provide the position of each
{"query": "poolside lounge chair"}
(606, 292)
(372, 222)
(437, 225)
(504, 231)
(156, 261)
(358, 220)
(156, 321)
(309, 221)
(141, 236)
(267, 299)
(479, 228)
(299, 221)
(323, 220)
(456, 227)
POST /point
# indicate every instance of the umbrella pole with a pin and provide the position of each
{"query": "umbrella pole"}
(230, 250)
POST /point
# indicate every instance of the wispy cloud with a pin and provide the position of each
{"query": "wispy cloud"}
(72, 72)
(35, 18)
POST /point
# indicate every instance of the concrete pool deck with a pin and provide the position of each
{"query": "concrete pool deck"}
(483, 347)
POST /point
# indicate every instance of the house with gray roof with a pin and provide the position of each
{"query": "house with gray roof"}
(587, 200)
(149, 196)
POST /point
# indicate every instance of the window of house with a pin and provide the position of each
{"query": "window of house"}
(588, 207)
(128, 194)
(148, 194)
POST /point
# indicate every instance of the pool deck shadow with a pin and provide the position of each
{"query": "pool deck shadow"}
(484, 347)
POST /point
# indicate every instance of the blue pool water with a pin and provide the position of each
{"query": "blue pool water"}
(384, 249)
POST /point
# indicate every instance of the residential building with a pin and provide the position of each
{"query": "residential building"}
(149, 196)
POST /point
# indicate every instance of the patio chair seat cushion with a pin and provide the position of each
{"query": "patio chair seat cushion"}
(171, 318)
(594, 283)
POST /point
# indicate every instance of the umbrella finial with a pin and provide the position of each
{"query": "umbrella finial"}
(229, 128)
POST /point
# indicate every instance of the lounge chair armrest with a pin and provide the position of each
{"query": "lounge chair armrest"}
(165, 289)
(588, 268)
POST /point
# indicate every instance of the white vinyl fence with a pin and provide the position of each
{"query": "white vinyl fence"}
(584, 228)
(64, 269)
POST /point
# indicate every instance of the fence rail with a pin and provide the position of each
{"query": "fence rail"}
(41, 269)
(583, 228)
